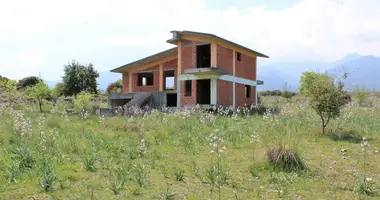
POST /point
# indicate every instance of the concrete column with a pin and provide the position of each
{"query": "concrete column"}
(233, 84)
(213, 91)
(178, 92)
(214, 54)
(161, 77)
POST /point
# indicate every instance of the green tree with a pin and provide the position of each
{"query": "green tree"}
(324, 95)
(27, 82)
(361, 95)
(79, 78)
(39, 92)
(115, 87)
(57, 91)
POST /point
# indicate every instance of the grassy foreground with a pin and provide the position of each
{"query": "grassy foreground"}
(182, 156)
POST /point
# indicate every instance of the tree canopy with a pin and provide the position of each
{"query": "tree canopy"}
(115, 87)
(39, 92)
(325, 96)
(79, 78)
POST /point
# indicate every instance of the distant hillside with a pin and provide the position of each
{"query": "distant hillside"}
(362, 71)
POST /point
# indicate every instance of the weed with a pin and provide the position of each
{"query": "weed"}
(23, 158)
(89, 164)
(140, 174)
(167, 194)
(13, 172)
(115, 186)
(179, 175)
(366, 188)
(48, 179)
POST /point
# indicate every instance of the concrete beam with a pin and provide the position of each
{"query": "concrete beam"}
(235, 79)
(184, 77)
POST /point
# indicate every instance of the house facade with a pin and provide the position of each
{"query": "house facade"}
(202, 69)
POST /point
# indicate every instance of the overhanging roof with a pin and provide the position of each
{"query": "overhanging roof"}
(147, 60)
(177, 37)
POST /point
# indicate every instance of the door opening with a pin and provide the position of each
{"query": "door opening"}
(204, 91)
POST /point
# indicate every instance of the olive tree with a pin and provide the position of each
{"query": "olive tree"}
(39, 92)
(324, 95)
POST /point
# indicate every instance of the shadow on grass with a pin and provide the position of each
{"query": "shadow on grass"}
(349, 136)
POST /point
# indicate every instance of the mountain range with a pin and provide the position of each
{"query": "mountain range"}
(362, 71)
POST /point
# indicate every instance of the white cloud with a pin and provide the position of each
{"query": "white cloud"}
(43, 35)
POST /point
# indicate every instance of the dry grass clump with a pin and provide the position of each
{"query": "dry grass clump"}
(285, 159)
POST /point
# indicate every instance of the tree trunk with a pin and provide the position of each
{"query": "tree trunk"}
(323, 126)
(323, 129)
(40, 104)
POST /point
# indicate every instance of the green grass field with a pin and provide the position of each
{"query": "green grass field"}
(169, 156)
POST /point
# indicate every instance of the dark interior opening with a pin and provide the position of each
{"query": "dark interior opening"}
(145, 78)
(169, 80)
(238, 56)
(203, 91)
(247, 91)
(188, 88)
(171, 100)
(203, 56)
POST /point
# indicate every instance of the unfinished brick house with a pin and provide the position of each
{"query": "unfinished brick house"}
(203, 69)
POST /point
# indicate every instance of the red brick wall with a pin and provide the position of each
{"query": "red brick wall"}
(188, 61)
(150, 88)
(172, 65)
(224, 59)
(125, 82)
(246, 68)
(224, 93)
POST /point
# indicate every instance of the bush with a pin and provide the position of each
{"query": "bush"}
(27, 82)
(285, 159)
(83, 102)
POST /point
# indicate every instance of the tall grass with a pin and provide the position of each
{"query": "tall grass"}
(125, 157)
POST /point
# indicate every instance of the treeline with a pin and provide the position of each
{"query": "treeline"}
(78, 82)
(276, 93)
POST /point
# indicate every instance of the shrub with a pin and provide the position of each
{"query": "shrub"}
(285, 159)
(27, 82)
(83, 102)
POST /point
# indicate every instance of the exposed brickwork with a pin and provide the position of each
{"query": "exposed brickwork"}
(149, 88)
(224, 93)
(188, 62)
(224, 59)
(172, 65)
(246, 68)
(188, 100)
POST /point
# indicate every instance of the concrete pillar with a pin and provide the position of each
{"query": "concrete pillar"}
(178, 92)
(213, 91)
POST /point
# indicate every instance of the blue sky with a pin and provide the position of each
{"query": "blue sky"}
(42, 35)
